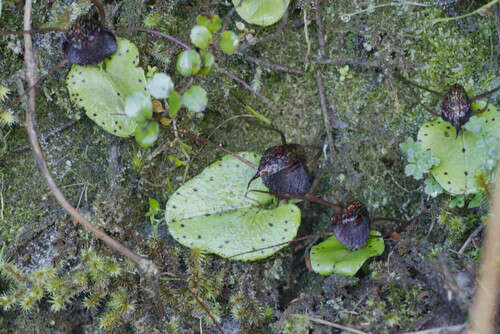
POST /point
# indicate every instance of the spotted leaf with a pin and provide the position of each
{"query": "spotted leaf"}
(211, 212)
(331, 256)
(461, 158)
(101, 90)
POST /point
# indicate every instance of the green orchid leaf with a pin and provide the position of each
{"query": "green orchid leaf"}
(188, 63)
(195, 99)
(464, 157)
(211, 212)
(261, 12)
(147, 133)
(229, 42)
(101, 90)
(331, 256)
(160, 85)
(200, 36)
(212, 22)
(174, 104)
(139, 107)
(208, 61)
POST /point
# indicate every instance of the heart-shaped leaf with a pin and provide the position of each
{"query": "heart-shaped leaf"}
(195, 100)
(331, 256)
(261, 12)
(460, 157)
(101, 90)
(211, 212)
(201, 36)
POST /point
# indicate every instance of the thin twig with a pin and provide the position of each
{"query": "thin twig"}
(471, 236)
(326, 121)
(147, 266)
(276, 67)
(482, 314)
(319, 82)
(219, 328)
(43, 77)
(46, 136)
(457, 329)
(332, 324)
(247, 86)
(350, 61)
(270, 37)
(154, 32)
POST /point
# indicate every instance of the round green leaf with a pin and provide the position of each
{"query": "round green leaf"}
(229, 42)
(160, 85)
(188, 62)
(261, 12)
(195, 99)
(174, 104)
(101, 90)
(211, 212)
(201, 37)
(331, 256)
(208, 61)
(147, 133)
(211, 22)
(139, 107)
(460, 157)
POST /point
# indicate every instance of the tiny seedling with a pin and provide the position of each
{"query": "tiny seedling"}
(456, 107)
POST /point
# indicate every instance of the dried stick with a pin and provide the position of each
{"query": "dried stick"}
(276, 67)
(334, 325)
(319, 82)
(46, 136)
(483, 311)
(247, 86)
(350, 61)
(145, 265)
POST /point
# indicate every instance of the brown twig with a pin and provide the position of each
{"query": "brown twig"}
(483, 311)
(247, 86)
(334, 325)
(275, 35)
(46, 136)
(276, 67)
(145, 265)
(43, 77)
(350, 61)
(154, 32)
(319, 82)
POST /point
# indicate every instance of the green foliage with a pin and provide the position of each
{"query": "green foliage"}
(101, 90)
(160, 86)
(174, 103)
(154, 209)
(208, 61)
(188, 63)
(195, 100)
(261, 12)
(211, 22)
(229, 42)
(200, 36)
(95, 276)
(211, 212)
(138, 106)
(147, 133)
(462, 159)
(419, 161)
(331, 256)
(432, 187)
